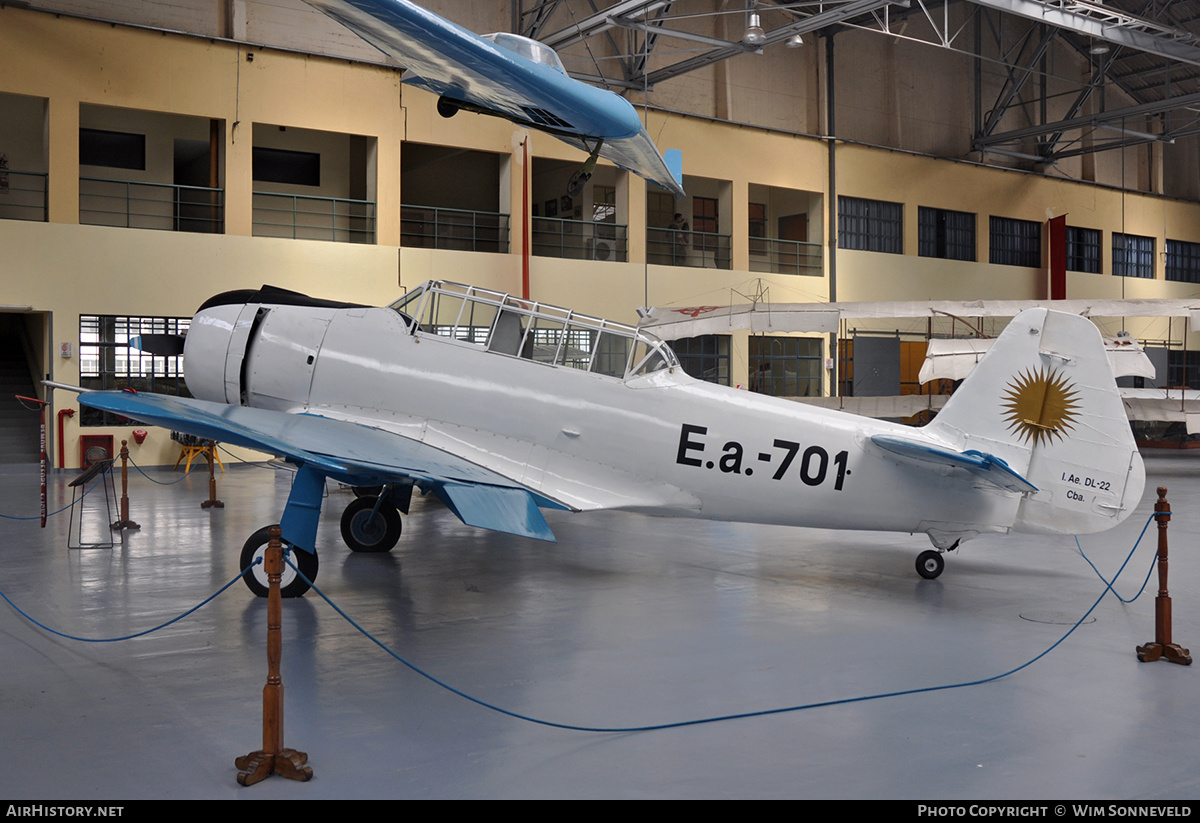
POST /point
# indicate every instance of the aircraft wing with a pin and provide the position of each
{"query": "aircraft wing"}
(352, 453)
(451, 61)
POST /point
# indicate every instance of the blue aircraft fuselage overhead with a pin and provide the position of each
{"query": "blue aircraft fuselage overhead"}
(508, 76)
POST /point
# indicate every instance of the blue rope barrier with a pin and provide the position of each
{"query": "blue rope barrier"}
(86, 491)
(186, 474)
(1149, 571)
(717, 718)
(195, 608)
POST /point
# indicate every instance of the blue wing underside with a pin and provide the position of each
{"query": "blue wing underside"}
(348, 452)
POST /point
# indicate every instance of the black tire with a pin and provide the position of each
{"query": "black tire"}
(367, 491)
(290, 584)
(364, 533)
(447, 107)
(577, 182)
(930, 564)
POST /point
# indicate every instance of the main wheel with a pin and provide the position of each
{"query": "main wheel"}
(367, 532)
(577, 182)
(290, 583)
(930, 564)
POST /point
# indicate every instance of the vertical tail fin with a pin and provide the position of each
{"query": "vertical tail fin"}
(1044, 400)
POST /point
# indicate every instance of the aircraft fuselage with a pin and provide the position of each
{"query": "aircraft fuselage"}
(660, 442)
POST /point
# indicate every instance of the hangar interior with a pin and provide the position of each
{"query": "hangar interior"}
(155, 154)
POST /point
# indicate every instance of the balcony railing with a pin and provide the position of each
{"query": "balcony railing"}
(23, 195)
(306, 217)
(579, 239)
(785, 256)
(427, 227)
(700, 249)
(163, 206)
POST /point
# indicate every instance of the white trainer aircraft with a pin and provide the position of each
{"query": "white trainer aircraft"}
(502, 406)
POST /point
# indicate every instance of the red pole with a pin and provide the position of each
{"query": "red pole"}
(42, 445)
(62, 447)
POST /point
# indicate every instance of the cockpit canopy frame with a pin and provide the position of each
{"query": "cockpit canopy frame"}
(526, 47)
(504, 324)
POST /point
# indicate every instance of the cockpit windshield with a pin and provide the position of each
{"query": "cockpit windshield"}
(527, 48)
(504, 324)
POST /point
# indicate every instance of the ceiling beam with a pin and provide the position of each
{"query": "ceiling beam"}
(1101, 22)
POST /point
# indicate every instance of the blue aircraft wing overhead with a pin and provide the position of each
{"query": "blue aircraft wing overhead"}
(349, 452)
(464, 67)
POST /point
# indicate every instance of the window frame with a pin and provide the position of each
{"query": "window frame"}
(1134, 257)
(104, 341)
(938, 238)
(1080, 245)
(1014, 242)
(870, 225)
(1183, 261)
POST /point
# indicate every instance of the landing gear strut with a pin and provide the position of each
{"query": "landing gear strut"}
(290, 584)
(580, 177)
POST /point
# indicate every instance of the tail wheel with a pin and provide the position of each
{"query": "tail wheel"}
(930, 564)
(370, 528)
(290, 583)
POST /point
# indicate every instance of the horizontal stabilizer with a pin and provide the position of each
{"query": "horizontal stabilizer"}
(512, 511)
(987, 467)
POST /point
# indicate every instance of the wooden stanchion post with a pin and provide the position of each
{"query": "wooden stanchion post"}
(273, 758)
(1162, 647)
(124, 522)
(212, 502)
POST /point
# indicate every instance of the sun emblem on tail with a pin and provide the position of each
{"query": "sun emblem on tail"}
(1041, 405)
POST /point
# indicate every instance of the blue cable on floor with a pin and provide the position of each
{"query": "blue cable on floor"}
(57, 511)
(1108, 586)
(197, 607)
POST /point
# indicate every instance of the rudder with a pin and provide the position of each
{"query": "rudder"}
(1044, 400)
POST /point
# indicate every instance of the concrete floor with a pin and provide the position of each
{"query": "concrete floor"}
(627, 620)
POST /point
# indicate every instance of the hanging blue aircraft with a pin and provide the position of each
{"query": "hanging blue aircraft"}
(508, 76)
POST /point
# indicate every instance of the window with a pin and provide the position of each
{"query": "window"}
(112, 149)
(870, 225)
(604, 204)
(300, 168)
(1015, 242)
(949, 235)
(107, 361)
(1183, 369)
(1083, 250)
(758, 220)
(705, 357)
(1133, 256)
(660, 209)
(785, 366)
(1183, 261)
(704, 214)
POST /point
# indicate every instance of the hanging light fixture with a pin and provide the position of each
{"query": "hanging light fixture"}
(794, 42)
(754, 34)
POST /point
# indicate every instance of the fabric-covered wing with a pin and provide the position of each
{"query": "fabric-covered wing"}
(348, 452)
